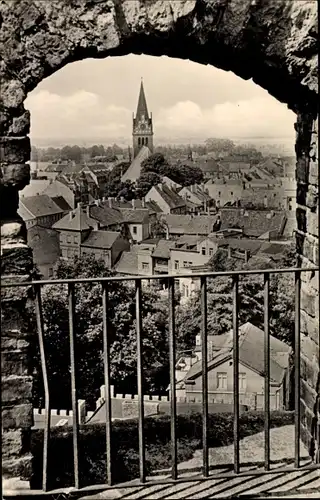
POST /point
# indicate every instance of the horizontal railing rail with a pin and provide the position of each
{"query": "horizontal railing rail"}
(171, 282)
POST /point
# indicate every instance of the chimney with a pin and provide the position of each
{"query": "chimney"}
(143, 203)
(88, 210)
(110, 202)
(71, 215)
(79, 204)
(246, 256)
(134, 204)
(122, 199)
(229, 252)
(103, 199)
(97, 202)
(160, 186)
(82, 411)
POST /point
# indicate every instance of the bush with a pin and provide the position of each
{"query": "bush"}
(125, 445)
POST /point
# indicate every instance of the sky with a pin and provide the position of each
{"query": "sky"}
(93, 101)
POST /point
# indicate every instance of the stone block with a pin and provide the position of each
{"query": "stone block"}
(16, 261)
(314, 173)
(312, 199)
(14, 150)
(312, 223)
(301, 219)
(309, 326)
(14, 443)
(17, 416)
(309, 245)
(18, 467)
(13, 93)
(308, 394)
(308, 300)
(17, 175)
(8, 343)
(306, 438)
(16, 362)
(302, 170)
(20, 124)
(309, 371)
(16, 388)
(302, 193)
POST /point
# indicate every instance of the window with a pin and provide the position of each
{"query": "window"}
(185, 263)
(134, 229)
(190, 263)
(219, 194)
(146, 141)
(221, 380)
(242, 381)
(50, 272)
(142, 141)
(75, 240)
(139, 141)
(187, 291)
(231, 193)
(176, 264)
(145, 266)
(68, 238)
(203, 250)
(210, 251)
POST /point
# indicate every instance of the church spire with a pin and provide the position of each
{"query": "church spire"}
(142, 109)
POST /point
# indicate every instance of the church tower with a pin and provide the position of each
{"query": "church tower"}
(142, 133)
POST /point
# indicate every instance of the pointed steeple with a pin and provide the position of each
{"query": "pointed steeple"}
(142, 109)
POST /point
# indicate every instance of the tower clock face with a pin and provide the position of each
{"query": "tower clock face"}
(142, 126)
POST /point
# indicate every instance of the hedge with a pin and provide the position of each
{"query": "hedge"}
(125, 445)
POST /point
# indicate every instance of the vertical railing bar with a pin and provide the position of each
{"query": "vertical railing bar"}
(140, 382)
(106, 365)
(297, 369)
(236, 373)
(267, 373)
(75, 426)
(47, 416)
(204, 354)
(172, 356)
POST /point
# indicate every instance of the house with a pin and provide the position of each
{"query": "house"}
(198, 195)
(137, 221)
(39, 211)
(161, 256)
(138, 261)
(105, 245)
(45, 246)
(170, 183)
(251, 371)
(169, 201)
(34, 188)
(57, 188)
(225, 191)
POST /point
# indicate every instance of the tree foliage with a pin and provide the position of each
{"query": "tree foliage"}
(89, 336)
(180, 173)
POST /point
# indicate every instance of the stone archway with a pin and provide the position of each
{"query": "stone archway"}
(274, 42)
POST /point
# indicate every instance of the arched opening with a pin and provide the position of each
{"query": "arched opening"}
(274, 43)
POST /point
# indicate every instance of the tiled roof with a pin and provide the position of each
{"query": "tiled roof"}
(45, 245)
(273, 248)
(135, 216)
(128, 263)
(61, 202)
(162, 250)
(101, 239)
(36, 187)
(153, 207)
(134, 171)
(105, 215)
(186, 224)
(172, 198)
(40, 205)
(256, 222)
(251, 353)
(241, 244)
(77, 220)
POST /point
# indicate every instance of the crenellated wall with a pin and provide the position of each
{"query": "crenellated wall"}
(274, 43)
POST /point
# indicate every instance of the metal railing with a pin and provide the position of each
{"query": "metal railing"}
(235, 275)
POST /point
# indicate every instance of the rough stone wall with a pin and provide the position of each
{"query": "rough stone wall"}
(274, 42)
(307, 240)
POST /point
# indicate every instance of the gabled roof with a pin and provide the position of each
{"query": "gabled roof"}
(61, 202)
(35, 188)
(135, 216)
(186, 224)
(162, 250)
(76, 220)
(251, 354)
(172, 199)
(128, 263)
(105, 215)
(170, 182)
(253, 222)
(134, 171)
(101, 239)
(40, 206)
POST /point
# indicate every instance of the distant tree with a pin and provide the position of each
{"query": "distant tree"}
(158, 229)
(186, 175)
(97, 151)
(72, 153)
(156, 163)
(220, 145)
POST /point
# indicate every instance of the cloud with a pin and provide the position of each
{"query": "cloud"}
(256, 117)
(82, 114)
(85, 115)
